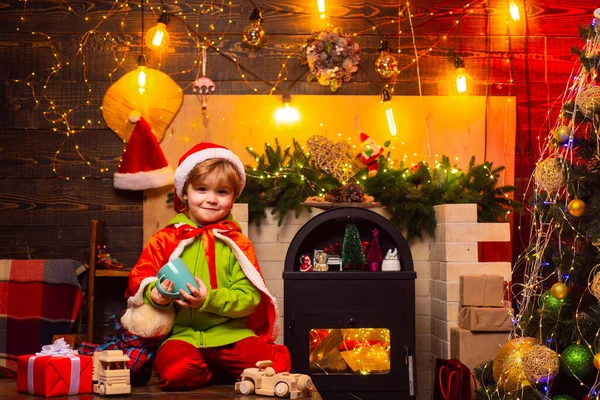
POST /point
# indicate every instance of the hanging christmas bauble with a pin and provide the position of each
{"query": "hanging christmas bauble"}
(508, 363)
(594, 286)
(597, 361)
(552, 305)
(559, 290)
(588, 101)
(386, 64)
(254, 34)
(540, 364)
(576, 361)
(549, 175)
(576, 207)
(562, 133)
(563, 397)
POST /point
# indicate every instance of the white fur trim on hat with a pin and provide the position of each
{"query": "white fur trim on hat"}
(143, 180)
(138, 298)
(183, 170)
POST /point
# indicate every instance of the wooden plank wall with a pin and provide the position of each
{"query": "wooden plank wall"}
(45, 216)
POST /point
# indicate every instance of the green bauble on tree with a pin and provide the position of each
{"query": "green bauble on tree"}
(577, 361)
(353, 257)
(563, 397)
(552, 305)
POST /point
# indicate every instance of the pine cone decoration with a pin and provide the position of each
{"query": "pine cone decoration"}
(594, 164)
(333, 195)
(352, 193)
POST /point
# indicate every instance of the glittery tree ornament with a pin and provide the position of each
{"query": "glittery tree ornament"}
(549, 175)
(374, 257)
(559, 290)
(353, 257)
(253, 35)
(508, 363)
(563, 397)
(540, 364)
(550, 304)
(576, 207)
(562, 134)
(386, 64)
(576, 361)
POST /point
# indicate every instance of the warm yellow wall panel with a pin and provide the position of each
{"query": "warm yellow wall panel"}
(427, 126)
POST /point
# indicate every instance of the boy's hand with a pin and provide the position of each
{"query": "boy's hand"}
(157, 297)
(196, 298)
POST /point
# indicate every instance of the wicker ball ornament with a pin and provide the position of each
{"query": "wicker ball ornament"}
(540, 364)
(576, 207)
(508, 363)
(594, 286)
(588, 101)
(559, 290)
(576, 361)
(549, 175)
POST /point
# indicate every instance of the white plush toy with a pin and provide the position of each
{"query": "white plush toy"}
(148, 321)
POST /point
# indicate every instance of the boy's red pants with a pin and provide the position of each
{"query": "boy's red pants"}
(181, 366)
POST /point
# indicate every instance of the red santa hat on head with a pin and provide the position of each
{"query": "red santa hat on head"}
(197, 154)
(364, 138)
(144, 165)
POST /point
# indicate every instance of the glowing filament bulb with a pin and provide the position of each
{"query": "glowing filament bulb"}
(514, 11)
(287, 114)
(389, 112)
(461, 83)
(321, 6)
(157, 37)
(141, 78)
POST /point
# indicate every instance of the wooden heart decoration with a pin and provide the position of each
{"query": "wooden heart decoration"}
(335, 158)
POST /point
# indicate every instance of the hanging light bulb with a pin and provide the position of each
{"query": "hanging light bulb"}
(462, 83)
(386, 99)
(141, 77)
(157, 37)
(513, 8)
(321, 6)
(254, 34)
(286, 114)
(386, 64)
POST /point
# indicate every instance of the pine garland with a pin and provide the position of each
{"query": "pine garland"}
(284, 178)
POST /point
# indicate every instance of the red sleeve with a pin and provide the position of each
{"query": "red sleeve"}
(153, 257)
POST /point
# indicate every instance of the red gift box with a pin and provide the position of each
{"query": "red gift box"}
(51, 376)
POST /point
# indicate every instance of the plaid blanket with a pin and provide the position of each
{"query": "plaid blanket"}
(38, 299)
(141, 351)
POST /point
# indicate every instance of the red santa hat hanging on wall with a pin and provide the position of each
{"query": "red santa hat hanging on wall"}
(143, 165)
(370, 154)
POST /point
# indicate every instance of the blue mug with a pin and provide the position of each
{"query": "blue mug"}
(177, 272)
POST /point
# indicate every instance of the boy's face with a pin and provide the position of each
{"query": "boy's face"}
(209, 200)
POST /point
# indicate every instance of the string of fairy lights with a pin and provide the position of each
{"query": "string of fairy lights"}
(192, 17)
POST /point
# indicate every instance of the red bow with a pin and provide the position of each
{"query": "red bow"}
(184, 232)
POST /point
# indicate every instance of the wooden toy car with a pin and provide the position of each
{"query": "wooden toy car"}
(110, 373)
(264, 381)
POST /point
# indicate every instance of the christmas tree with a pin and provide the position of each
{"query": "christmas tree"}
(374, 257)
(553, 351)
(353, 257)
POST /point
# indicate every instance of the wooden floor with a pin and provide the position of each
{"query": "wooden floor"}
(8, 391)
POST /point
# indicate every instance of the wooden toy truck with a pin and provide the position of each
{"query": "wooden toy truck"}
(110, 373)
(264, 381)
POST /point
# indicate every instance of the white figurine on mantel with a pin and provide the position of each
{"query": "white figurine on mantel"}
(264, 381)
(391, 262)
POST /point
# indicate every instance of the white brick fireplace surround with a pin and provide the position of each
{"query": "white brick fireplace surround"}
(439, 262)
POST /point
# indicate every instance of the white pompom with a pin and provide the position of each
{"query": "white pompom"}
(134, 116)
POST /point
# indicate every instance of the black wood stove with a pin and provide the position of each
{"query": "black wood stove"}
(352, 331)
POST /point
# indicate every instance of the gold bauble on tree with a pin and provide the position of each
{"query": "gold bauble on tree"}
(549, 175)
(562, 133)
(508, 363)
(597, 361)
(253, 35)
(576, 207)
(386, 64)
(559, 290)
